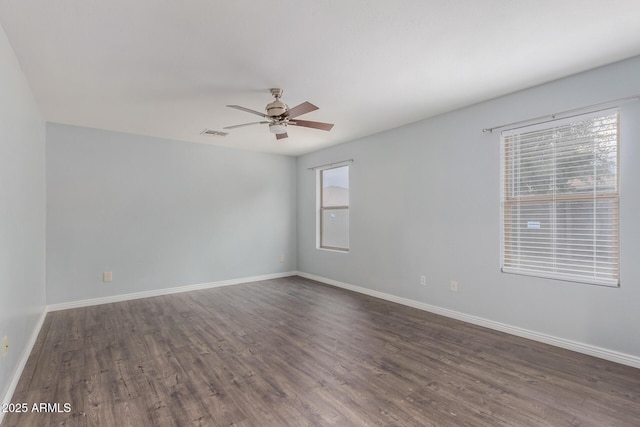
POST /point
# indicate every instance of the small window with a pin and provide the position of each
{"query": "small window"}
(334, 208)
(560, 199)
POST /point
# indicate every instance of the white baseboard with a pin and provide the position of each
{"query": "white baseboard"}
(22, 362)
(165, 291)
(602, 353)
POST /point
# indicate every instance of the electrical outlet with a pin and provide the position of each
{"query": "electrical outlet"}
(5, 346)
(281, 259)
(107, 276)
(423, 280)
(454, 286)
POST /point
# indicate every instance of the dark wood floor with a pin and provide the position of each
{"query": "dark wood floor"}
(293, 352)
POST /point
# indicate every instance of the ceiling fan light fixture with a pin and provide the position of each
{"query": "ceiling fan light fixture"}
(278, 128)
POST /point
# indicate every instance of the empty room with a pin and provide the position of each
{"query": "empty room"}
(319, 213)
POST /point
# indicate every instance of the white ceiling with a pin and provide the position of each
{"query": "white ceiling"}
(167, 68)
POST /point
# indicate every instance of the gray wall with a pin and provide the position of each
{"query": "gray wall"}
(22, 217)
(161, 213)
(425, 199)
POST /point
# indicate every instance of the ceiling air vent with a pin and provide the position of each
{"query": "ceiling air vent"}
(213, 132)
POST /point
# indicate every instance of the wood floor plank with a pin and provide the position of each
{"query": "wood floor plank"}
(293, 352)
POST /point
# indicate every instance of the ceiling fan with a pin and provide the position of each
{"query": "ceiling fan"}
(279, 116)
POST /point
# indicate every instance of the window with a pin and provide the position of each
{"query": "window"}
(334, 208)
(560, 199)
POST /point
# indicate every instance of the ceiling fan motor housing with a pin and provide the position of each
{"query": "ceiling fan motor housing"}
(276, 108)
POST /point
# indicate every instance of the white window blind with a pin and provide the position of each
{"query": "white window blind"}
(560, 199)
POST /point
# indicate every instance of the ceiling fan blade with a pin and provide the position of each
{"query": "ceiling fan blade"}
(281, 135)
(314, 125)
(245, 124)
(298, 110)
(248, 110)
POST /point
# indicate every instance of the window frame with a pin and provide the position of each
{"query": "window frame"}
(322, 209)
(555, 199)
